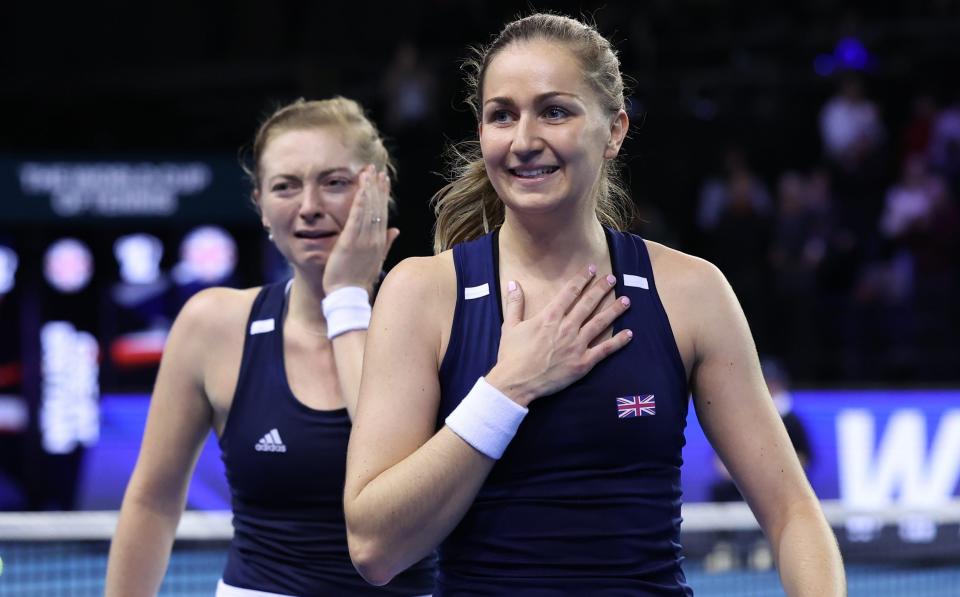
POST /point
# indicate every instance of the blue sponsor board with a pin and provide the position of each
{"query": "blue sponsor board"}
(871, 448)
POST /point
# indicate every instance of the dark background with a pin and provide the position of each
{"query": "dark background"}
(150, 82)
(143, 81)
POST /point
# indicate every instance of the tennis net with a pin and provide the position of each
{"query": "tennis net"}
(892, 552)
(53, 554)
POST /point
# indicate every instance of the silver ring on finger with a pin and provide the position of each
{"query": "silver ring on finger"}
(376, 219)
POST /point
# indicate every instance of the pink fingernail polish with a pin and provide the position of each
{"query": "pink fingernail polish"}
(611, 280)
(592, 269)
(625, 300)
(629, 334)
(511, 286)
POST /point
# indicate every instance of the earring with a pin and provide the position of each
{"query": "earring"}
(269, 234)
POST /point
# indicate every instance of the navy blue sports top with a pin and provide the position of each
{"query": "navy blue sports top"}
(286, 465)
(586, 499)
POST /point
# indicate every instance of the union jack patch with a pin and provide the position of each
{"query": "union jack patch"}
(636, 406)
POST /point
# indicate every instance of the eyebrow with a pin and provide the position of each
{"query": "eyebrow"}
(321, 174)
(538, 99)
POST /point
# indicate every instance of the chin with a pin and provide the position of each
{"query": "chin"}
(534, 202)
(311, 261)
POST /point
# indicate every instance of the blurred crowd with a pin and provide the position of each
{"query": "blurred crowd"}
(843, 254)
(848, 270)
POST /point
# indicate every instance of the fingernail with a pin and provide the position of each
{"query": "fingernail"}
(629, 334)
(592, 269)
(611, 280)
(625, 300)
(511, 286)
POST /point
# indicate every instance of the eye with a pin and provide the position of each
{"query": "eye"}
(499, 116)
(280, 187)
(338, 183)
(556, 113)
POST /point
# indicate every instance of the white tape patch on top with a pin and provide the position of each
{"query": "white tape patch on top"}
(635, 281)
(261, 326)
(475, 292)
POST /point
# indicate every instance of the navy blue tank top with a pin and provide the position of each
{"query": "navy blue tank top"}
(286, 465)
(586, 498)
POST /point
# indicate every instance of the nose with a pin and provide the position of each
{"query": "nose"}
(527, 141)
(313, 204)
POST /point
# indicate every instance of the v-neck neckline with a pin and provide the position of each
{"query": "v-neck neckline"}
(495, 245)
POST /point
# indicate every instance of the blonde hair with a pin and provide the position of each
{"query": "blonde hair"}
(344, 114)
(468, 206)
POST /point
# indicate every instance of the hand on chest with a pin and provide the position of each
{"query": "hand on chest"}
(537, 294)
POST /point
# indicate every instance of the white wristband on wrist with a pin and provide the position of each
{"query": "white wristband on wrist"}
(486, 419)
(346, 309)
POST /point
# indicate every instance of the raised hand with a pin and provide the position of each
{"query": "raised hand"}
(357, 257)
(559, 345)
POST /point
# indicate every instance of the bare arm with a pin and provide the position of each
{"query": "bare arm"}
(356, 260)
(407, 486)
(348, 352)
(742, 423)
(178, 421)
(395, 455)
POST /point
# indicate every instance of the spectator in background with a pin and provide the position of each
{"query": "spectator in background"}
(853, 140)
(909, 202)
(850, 124)
(920, 223)
(918, 131)
(937, 256)
(835, 276)
(717, 191)
(741, 234)
(408, 95)
(798, 246)
(945, 145)
(408, 91)
(885, 327)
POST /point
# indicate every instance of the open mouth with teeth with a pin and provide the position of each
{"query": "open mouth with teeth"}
(533, 172)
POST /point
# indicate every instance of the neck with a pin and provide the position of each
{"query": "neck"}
(304, 307)
(554, 248)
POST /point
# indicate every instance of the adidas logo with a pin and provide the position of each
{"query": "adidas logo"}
(270, 442)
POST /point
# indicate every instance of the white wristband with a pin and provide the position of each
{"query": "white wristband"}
(346, 309)
(486, 419)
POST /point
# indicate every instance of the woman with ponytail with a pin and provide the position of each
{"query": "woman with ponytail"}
(525, 390)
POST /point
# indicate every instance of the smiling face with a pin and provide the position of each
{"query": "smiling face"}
(543, 132)
(308, 181)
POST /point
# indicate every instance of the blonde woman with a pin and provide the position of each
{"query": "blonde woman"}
(524, 393)
(275, 372)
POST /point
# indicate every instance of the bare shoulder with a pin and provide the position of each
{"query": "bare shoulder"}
(679, 272)
(205, 346)
(216, 313)
(694, 294)
(418, 300)
(431, 278)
